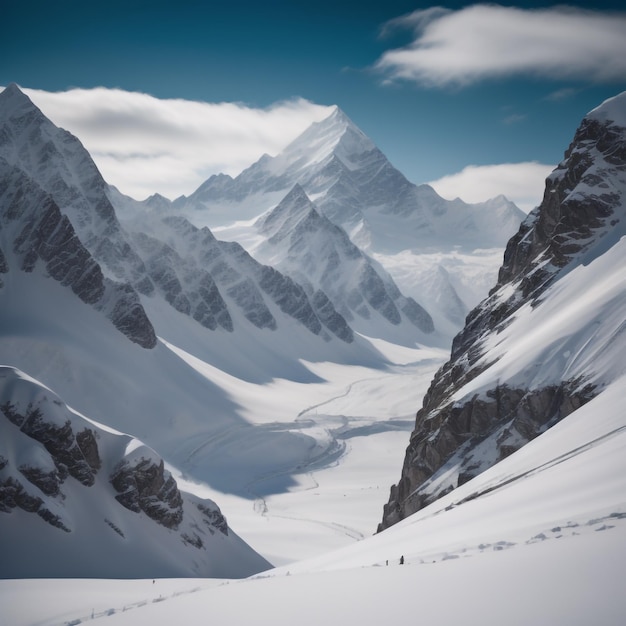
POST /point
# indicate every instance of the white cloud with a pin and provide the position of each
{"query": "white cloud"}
(489, 41)
(144, 145)
(523, 183)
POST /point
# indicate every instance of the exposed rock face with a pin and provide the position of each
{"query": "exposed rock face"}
(144, 485)
(189, 289)
(64, 170)
(68, 453)
(213, 518)
(579, 201)
(43, 232)
(464, 426)
(35, 230)
(53, 209)
(247, 285)
(75, 454)
(471, 436)
(56, 445)
(4, 267)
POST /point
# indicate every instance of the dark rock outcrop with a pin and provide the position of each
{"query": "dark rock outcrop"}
(188, 288)
(505, 420)
(73, 453)
(252, 287)
(145, 485)
(213, 518)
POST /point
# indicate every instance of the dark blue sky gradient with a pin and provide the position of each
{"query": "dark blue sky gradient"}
(262, 52)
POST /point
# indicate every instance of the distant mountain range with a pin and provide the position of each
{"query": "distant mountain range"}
(416, 235)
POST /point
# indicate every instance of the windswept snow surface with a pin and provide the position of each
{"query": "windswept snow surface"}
(539, 538)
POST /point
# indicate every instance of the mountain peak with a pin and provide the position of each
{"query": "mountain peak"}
(337, 134)
(611, 110)
(338, 116)
(296, 195)
(295, 205)
(11, 89)
(13, 99)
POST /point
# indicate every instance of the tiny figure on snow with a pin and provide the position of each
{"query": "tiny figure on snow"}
(402, 560)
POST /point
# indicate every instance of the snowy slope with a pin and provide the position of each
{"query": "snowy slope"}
(81, 500)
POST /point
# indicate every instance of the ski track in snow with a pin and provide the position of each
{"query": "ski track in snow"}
(332, 450)
(566, 531)
(570, 454)
(126, 607)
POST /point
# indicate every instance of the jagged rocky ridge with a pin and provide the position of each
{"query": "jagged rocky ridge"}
(354, 186)
(319, 255)
(470, 418)
(51, 202)
(237, 280)
(54, 463)
(60, 165)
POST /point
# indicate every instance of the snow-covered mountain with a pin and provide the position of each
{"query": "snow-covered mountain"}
(306, 245)
(81, 500)
(52, 201)
(550, 336)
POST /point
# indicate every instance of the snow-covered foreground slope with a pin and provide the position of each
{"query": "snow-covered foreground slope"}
(538, 539)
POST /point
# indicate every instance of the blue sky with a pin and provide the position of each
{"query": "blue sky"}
(513, 93)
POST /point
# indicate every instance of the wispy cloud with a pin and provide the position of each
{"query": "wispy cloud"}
(143, 145)
(489, 41)
(561, 94)
(514, 118)
(523, 183)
